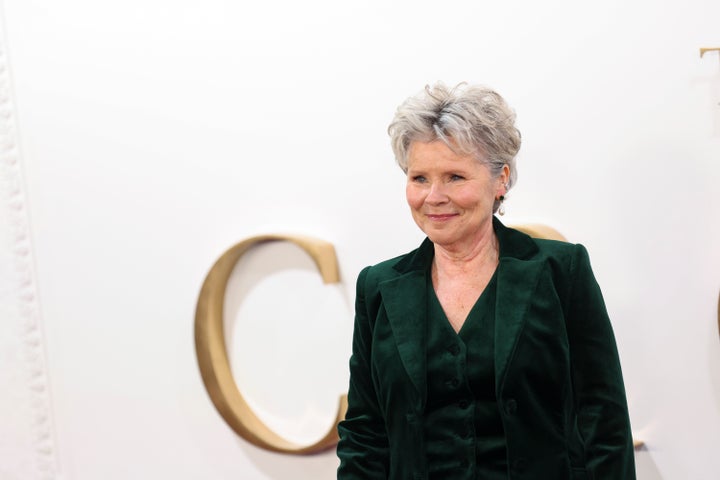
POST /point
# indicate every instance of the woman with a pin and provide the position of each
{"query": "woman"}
(483, 354)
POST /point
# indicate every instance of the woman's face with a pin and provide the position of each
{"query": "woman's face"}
(451, 196)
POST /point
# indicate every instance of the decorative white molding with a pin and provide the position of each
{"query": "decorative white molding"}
(29, 442)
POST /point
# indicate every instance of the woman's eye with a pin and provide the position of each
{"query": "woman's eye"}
(418, 179)
(455, 177)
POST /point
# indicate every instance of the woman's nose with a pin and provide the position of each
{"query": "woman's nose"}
(437, 194)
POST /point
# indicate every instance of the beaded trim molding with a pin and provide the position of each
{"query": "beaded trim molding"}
(25, 318)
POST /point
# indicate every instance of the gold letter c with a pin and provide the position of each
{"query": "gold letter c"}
(212, 352)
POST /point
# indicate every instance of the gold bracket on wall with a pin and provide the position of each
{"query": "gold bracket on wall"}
(703, 51)
(212, 351)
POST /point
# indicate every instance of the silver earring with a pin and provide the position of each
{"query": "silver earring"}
(501, 208)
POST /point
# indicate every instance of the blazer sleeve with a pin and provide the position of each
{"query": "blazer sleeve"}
(599, 394)
(363, 445)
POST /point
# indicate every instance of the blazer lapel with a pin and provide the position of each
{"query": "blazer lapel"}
(405, 301)
(518, 275)
(406, 307)
(516, 284)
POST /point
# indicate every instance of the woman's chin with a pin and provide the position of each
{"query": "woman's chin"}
(441, 238)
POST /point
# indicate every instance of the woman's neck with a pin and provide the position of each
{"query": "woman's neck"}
(481, 252)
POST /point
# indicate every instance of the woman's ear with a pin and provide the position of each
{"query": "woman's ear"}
(504, 178)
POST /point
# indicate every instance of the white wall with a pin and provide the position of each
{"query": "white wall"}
(154, 135)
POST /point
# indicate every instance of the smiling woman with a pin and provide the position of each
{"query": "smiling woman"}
(484, 353)
(451, 195)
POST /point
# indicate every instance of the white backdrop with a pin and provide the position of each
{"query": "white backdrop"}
(153, 135)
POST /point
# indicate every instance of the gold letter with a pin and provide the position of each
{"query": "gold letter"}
(212, 353)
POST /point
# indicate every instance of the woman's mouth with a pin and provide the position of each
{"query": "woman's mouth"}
(440, 217)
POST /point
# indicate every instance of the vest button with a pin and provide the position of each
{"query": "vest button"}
(510, 406)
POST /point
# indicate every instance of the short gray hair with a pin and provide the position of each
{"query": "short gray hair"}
(469, 119)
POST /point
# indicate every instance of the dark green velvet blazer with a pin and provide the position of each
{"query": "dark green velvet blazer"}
(558, 381)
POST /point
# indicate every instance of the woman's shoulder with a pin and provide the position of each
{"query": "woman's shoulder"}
(566, 259)
(561, 248)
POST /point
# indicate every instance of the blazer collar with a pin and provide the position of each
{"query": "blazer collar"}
(513, 243)
(405, 301)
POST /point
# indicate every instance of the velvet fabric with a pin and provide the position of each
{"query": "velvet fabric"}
(558, 381)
